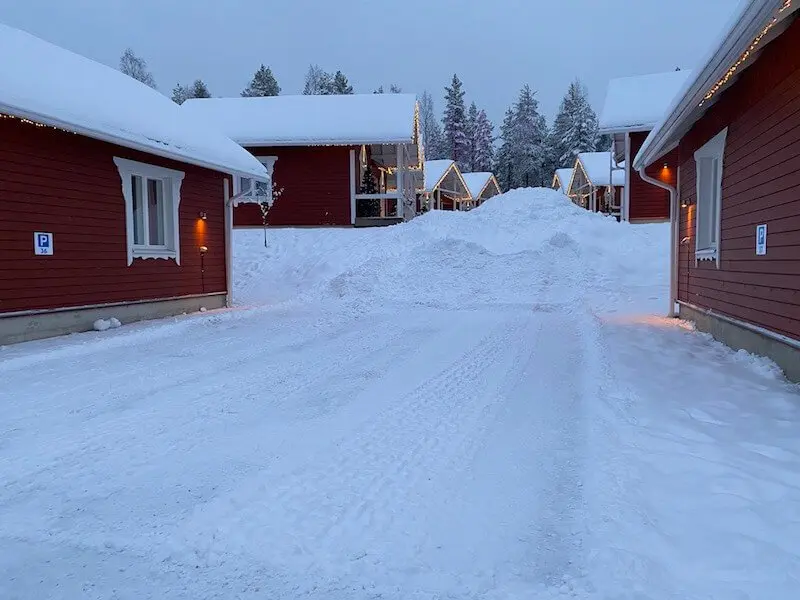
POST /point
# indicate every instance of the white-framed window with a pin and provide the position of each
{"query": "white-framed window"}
(709, 163)
(152, 200)
(256, 191)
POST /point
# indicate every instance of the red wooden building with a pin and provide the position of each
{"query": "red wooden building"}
(113, 204)
(633, 107)
(735, 131)
(319, 150)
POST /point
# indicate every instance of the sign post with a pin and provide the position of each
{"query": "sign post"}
(43, 243)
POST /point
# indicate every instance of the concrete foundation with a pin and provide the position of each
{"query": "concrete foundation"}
(26, 327)
(739, 337)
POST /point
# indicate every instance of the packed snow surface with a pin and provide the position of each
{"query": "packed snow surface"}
(478, 405)
(50, 85)
(336, 119)
(597, 166)
(640, 102)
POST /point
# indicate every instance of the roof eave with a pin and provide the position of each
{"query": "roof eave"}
(640, 127)
(686, 111)
(121, 141)
(261, 142)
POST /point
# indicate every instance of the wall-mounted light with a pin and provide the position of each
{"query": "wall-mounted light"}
(202, 215)
(203, 249)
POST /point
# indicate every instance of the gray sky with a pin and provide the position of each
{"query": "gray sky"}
(494, 45)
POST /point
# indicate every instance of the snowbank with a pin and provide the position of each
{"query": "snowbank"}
(515, 239)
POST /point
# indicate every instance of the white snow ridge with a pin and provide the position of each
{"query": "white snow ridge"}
(469, 405)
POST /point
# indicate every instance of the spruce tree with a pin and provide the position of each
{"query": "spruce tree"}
(455, 123)
(180, 93)
(471, 131)
(199, 90)
(575, 129)
(484, 143)
(318, 81)
(503, 167)
(136, 67)
(431, 131)
(340, 85)
(529, 141)
(371, 207)
(262, 84)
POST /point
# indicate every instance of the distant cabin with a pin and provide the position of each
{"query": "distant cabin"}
(734, 135)
(342, 160)
(562, 179)
(444, 186)
(633, 107)
(595, 185)
(481, 186)
(114, 204)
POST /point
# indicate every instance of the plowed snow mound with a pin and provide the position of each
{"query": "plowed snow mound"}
(498, 253)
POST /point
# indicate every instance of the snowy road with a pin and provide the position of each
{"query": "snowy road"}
(433, 415)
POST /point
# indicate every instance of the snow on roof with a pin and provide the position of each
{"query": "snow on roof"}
(564, 177)
(310, 120)
(746, 23)
(597, 166)
(639, 102)
(53, 86)
(476, 182)
(434, 171)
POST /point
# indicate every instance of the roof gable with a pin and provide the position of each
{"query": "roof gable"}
(311, 120)
(53, 86)
(477, 182)
(597, 166)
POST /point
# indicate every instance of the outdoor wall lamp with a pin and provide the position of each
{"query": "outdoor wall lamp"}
(203, 249)
(202, 215)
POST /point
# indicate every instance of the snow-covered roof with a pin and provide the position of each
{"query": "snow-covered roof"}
(564, 177)
(747, 23)
(476, 182)
(597, 166)
(638, 103)
(310, 120)
(435, 170)
(53, 86)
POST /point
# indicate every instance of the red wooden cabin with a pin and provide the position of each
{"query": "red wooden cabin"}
(736, 207)
(113, 204)
(633, 107)
(318, 149)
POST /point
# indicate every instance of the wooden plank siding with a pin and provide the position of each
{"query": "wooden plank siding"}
(316, 188)
(761, 184)
(66, 184)
(648, 202)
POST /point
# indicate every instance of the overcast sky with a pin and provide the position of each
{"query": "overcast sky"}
(494, 45)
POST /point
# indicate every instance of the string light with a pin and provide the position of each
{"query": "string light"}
(745, 55)
(34, 123)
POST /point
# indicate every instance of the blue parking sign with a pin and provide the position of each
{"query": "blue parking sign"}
(43, 243)
(761, 240)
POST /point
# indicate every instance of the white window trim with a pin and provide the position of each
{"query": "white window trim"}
(269, 163)
(129, 168)
(714, 148)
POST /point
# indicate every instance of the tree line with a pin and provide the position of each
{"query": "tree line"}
(525, 153)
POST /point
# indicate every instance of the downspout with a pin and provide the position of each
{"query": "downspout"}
(673, 223)
(228, 242)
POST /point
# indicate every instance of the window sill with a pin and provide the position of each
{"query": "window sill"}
(154, 253)
(707, 254)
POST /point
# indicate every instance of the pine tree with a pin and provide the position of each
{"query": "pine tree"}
(136, 67)
(503, 167)
(431, 131)
(455, 123)
(318, 81)
(263, 84)
(395, 89)
(199, 89)
(575, 129)
(529, 141)
(180, 93)
(339, 85)
(483, 155)
(471, 130)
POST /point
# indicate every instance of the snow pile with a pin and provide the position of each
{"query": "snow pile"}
(106, 324)
(515, 240)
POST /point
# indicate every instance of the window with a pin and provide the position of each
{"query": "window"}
(152, 198)
(708, 162)
(258, 189)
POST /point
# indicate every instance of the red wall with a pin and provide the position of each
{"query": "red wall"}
(68, 185)
(648, 202)
(316, 188)
(761, 184)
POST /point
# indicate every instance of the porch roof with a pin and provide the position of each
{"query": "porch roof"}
(597, 166)
(638, 103)
(52, 86)
(341, 120)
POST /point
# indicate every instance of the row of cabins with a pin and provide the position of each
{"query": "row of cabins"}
(716, 152)
(116, 202)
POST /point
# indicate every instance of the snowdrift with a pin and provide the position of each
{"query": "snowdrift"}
(517, 240)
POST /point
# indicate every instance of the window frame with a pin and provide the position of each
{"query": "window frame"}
(714, 151)
(171, 189)
(269, 163)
